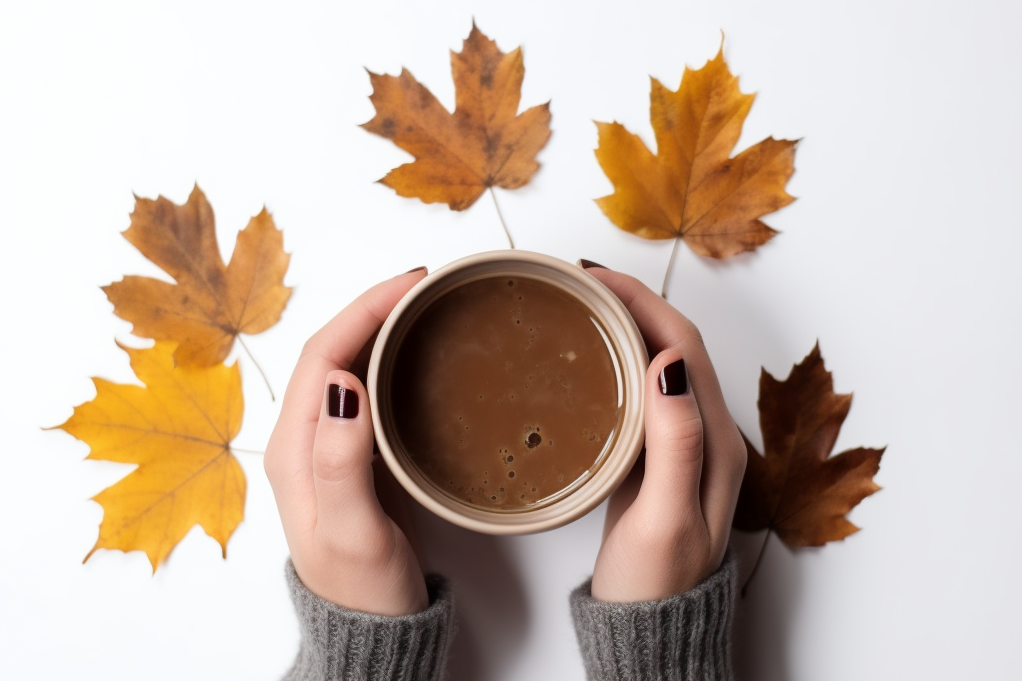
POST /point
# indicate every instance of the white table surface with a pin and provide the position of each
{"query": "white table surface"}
(900, 256)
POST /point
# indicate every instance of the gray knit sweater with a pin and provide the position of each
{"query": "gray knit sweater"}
(682, 638)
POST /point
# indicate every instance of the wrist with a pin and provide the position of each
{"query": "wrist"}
(368, 590)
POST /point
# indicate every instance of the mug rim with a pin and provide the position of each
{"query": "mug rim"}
(618, 460)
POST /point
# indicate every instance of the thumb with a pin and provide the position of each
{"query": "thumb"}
(342, 458)
(674, 439)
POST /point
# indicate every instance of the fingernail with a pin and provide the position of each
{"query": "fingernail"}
(343, 402)
(417, 269)
(674, 378)
(586, 264)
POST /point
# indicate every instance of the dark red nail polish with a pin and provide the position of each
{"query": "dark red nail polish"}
(417, 269)
(586, 264)
(674, 378)
(343, 402)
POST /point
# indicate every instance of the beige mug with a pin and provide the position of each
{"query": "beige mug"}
(628, 353)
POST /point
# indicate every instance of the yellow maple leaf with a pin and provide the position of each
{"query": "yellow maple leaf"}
(691, 190)
(177, 429)
(210, 303)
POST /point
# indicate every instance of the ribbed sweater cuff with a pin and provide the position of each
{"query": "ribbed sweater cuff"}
(342, 644)
(684, 637)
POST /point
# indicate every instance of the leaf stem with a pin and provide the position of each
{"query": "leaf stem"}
(759, 559)
(237, 450)
(501, 216)
(262, 373)
(670, 266)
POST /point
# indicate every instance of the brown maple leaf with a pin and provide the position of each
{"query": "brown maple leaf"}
(211, 303)
(485, 143)
(796, 489)
(691, 189)
(177, 429)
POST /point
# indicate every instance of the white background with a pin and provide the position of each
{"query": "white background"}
(900, 256)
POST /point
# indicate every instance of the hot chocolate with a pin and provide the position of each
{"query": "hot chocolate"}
(505, 392)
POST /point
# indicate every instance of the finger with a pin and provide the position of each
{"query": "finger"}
(394, 501)
(664, 327)
(339, 342)
(288, 460)
(623, 497)
(674, 443)
(342, 460)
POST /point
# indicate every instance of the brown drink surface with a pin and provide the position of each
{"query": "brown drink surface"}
(504, 392)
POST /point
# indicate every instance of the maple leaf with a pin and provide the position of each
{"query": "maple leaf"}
(796, 489)
(210, 303)
(485, 143)
(691, 189)
(177, 429)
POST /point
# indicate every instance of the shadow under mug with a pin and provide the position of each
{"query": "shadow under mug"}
(629, 355)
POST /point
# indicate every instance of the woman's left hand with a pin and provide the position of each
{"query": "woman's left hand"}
(667, 526)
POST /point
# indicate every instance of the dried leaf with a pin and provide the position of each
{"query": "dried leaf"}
(484, 143)
(691, 188)
(211, 303)
(795, 490)
(178, 429)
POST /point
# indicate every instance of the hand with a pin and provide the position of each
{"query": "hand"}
(345, 548)
(667, 526)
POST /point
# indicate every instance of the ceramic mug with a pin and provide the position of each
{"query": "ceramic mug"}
(628, 354)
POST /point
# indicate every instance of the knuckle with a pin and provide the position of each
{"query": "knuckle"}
(376, 305)
(683, 435)
(741, 462)
(692, 333)
(739, 458)
(271, 465)
(310, 348)
(334, 466)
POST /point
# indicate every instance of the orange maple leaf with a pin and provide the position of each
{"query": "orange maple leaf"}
(796, 489)
(485, 143)
(178, 429)
(211, 303)
(692, 189)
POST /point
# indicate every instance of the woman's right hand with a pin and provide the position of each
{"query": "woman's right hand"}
(345, 548)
